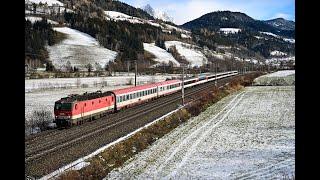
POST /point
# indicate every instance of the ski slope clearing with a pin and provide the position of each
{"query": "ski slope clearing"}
(250, 134)
(162, 56)
(49, 2)
(34, 19)
(230, 30)
(79, 49)
(279, 78)
(192, 53)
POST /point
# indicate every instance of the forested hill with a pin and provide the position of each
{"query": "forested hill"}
(226, 19)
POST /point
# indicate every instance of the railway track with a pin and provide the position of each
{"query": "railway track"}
(45, 150)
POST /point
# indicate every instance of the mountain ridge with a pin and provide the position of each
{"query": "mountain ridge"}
(228, 19)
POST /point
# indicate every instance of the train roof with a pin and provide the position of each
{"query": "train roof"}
(145, 86)
(84, 96)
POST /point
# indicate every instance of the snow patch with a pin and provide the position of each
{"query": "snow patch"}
(270, 34)
(192, 53)
(277, 53)
(162, 56)
(289, 40)
(34, 19)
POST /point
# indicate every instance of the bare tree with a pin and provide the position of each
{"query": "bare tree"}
(41, 118)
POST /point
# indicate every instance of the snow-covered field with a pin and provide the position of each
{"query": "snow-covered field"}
(281, 73)
(279, 78)
(247, 135)
(162, 56)
(40, 94)
(194, 56)
(79, 49)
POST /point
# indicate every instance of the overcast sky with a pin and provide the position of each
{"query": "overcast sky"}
(183, 11)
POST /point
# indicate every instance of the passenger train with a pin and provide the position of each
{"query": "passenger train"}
(76, 109)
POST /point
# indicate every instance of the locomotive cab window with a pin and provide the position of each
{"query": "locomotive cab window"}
(62, 106)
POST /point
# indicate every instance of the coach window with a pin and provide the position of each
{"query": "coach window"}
(127, 97)
(76, 106)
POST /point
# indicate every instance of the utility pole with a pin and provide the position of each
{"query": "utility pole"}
(182, 89)
(215, 82)
(135, 74)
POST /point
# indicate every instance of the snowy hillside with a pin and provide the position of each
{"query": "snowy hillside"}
(118, 16)
(162, 56)
(194, 56)
(279, 37)
(79, 49)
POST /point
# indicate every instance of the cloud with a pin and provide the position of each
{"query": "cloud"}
(282, 15)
